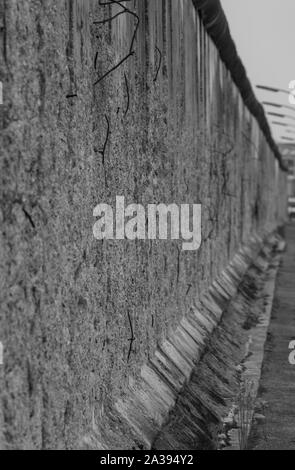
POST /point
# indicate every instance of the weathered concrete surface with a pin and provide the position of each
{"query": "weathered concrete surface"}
(277, 387)
(186, 137)
(206, 414)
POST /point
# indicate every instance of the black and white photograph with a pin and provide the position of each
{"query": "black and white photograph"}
(147, 229)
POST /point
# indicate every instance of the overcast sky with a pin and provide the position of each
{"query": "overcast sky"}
(264, 32)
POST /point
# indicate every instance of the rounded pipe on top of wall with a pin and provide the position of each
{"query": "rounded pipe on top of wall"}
(216, 24)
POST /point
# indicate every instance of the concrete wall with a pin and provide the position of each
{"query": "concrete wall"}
(186, 137)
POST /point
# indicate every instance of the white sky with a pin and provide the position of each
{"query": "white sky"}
(264, 33)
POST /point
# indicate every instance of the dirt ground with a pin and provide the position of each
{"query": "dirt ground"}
(277, 387)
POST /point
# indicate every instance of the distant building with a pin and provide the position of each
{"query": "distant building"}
(288, 153)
